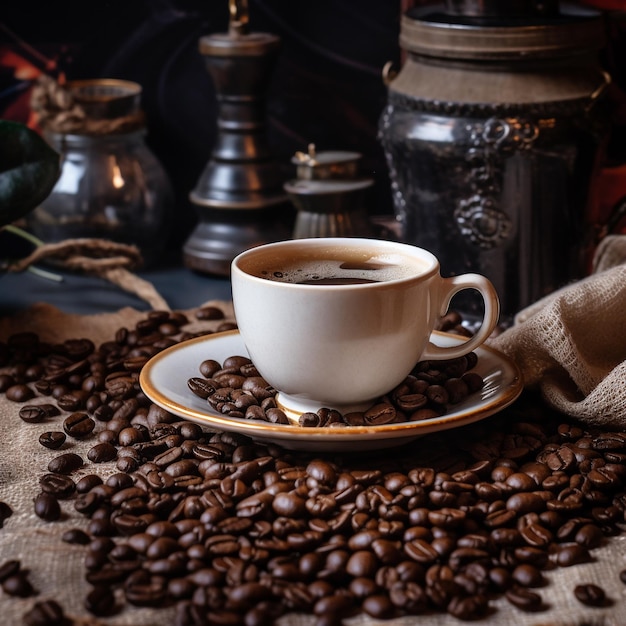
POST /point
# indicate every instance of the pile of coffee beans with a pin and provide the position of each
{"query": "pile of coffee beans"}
(232, 531)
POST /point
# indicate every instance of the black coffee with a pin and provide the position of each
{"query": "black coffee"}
(335, 280)
(349, 269)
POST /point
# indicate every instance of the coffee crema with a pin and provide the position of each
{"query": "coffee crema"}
(347, 270)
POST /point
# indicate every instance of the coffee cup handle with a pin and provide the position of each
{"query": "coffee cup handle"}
(450, 287)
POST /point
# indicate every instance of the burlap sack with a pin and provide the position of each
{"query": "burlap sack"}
(571, 345)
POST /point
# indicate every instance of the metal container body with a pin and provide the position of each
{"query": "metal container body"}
(491, 152)
(500, 194)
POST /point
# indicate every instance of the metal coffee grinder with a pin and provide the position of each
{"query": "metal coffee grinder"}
(328, 194)
(239, 197)
(492, 133)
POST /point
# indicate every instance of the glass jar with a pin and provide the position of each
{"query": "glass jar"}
(111, 186)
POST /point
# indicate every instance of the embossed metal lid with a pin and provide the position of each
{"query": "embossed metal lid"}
(329, 164)
(446, 32)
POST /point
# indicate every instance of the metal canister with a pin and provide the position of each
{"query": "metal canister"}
(492, 132)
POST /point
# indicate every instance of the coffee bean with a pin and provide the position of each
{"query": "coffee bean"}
(32, 414)
(562, 459)
(52, 439)
(102, 452)
(75, 536)
(528, 575)
(57, 485)
(45, 613)
(65, 463)
(19, 393)
(524, 599)
(6, 381)
(78, 425)
(468, 608)
(47, 507)
(18, 585)
(202, 387)
(568, 554)
(9, 568)
(590, 594)
(88, 482)
(209, 313)
(5, 512)
(72, 401)
(100, 600)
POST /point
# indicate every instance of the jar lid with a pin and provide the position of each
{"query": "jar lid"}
(432, 31)
(106, 98)
(229, 44)
(330, 164)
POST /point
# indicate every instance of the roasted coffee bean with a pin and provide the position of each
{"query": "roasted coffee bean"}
(379, 414)
(47, 507)
(276, 416)
(566, 555)
(72, 401)
(528, 575)
(52, 439)
(75, 536)
(65, 463)
(9, 568)
(524, 599)
(45, 613)
(102, 452)
(457, 389)
(590, 594)
(202, 387)
(58, 485)
(18, 585)
(103, 413)
(100, 600)
(209, 313)
(19, 393)
(5, 512)
(469, 607)
(78, 425)
(6, 381)
(32, 413)
(88, 482)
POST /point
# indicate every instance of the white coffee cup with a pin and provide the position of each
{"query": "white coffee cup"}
(342, 346)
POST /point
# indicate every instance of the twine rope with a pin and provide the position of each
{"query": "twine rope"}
(102, 258)
(57, 111)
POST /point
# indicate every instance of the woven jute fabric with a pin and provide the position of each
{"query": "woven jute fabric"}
(571, 345)
(57, 568)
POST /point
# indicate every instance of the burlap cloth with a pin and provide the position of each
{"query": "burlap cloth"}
(576, 338)
(572, 344)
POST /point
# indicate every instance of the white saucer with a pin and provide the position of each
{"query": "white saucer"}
(164, 380)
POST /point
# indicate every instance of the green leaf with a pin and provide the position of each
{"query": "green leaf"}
(29, 169)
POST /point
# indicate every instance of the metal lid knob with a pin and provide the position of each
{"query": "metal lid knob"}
(334, 164)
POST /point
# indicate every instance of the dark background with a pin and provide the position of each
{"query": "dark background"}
(326, 88)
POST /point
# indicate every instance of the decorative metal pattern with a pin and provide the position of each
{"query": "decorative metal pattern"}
(478, 217)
